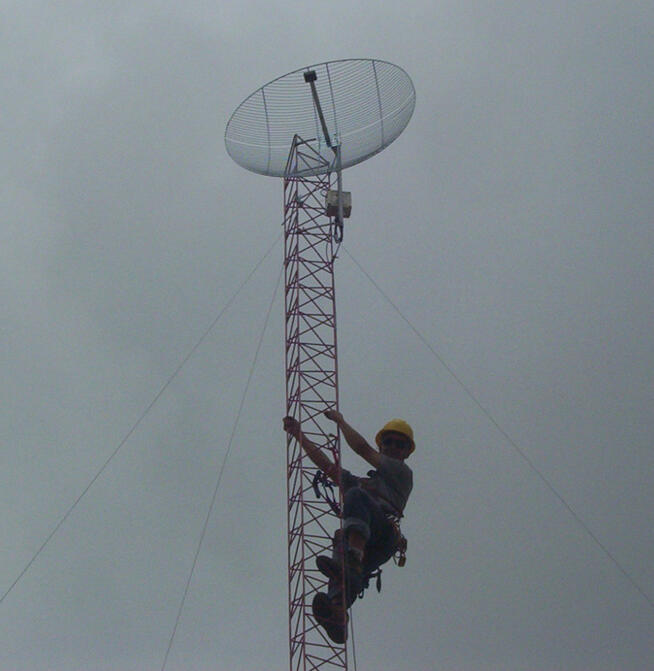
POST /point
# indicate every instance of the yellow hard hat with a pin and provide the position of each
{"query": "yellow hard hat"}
(397, 426)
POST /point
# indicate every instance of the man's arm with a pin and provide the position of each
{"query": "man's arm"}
(354, 439)
(292, 427)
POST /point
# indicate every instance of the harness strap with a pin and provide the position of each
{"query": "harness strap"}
(399, 556)
(320, 479)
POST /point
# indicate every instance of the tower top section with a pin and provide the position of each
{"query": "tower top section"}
(358, 105)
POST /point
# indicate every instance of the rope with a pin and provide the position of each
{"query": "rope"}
(354, 647)
(509, 439)
(138, 421)
(221, 471)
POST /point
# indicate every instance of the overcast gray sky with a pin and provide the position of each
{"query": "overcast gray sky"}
(512, 225)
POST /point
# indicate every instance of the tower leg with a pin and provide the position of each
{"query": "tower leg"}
(311, 388)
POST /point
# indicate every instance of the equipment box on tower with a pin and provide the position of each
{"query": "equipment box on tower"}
(332, 203)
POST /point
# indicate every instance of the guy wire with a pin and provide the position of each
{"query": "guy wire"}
(222, 469)
(165, 386)
(510, 440)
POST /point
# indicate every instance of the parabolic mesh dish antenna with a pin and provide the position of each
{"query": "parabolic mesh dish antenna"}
(365, 105)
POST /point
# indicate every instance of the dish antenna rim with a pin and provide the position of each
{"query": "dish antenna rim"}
(367, 103)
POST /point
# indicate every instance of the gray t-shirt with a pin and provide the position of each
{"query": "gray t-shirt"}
(391, 483)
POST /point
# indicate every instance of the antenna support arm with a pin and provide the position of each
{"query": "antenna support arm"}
(310, 77)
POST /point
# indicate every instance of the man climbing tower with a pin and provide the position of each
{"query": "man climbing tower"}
(372, 507)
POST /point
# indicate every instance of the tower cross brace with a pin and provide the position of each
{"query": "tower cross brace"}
(311, 388)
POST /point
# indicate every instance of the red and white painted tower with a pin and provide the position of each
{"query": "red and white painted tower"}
(311, 388)
(306, 127)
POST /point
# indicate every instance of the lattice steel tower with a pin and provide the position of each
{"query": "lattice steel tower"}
(306, 127)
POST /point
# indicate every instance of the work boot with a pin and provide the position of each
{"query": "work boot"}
(354, 576)
(329, 567)
(331, 617)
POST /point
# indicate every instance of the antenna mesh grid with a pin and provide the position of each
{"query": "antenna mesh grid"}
(366, 105)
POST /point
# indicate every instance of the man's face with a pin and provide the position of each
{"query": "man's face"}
(395, 445)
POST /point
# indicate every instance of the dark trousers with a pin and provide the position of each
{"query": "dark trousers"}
(363, 513)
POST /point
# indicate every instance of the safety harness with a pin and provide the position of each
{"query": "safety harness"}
(324, 488)
(400, 551)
